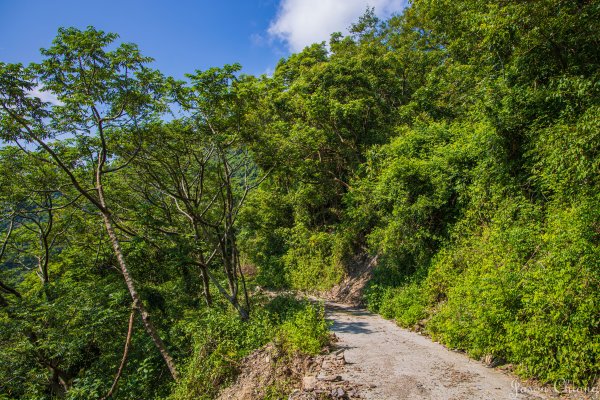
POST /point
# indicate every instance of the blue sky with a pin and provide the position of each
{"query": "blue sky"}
(185, 35)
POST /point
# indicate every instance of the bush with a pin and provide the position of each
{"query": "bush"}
(406, 305)
(309, 263)
(306, 331)
(219, 339)
(526, 294)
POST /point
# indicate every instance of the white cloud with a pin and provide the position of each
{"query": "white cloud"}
(45, 96)
(300, 23)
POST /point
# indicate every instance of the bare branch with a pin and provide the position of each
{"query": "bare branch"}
(124, 358)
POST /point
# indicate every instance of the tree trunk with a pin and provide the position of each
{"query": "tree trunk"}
(56, 387)
(232, 300)
(203, 269)
(4, 287)
(137, 302)
(206, 285)
(60, 382)
(114, 240)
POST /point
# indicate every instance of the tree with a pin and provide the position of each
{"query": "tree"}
(100, 92)
(42, 206)
(201, 170)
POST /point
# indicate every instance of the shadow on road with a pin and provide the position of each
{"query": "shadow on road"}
(350, 327)
(344, 309)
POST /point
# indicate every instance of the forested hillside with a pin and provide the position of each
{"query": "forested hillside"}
(457, 144)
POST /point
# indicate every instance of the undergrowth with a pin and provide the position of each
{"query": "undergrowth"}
(220, 341)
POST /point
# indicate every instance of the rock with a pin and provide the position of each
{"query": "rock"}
(338, 393)
(339, 351)
(309, 382)
(330, 378)
(488, 359)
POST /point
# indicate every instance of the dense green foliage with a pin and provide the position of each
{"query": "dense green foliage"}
(458, 144)
(107, 210)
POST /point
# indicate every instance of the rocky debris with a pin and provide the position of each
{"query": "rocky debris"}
(309, 383)
(270, 370)
(266, 370)
(325, 380)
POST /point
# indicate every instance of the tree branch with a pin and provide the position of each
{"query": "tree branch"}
(124, 358)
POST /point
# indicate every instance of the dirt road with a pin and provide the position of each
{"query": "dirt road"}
(393, 363)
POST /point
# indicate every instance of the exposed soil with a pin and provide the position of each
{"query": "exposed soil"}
(266, 372)
(270, 373)
(359, 270)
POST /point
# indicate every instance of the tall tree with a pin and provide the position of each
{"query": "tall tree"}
(100, 92)
(200, 170)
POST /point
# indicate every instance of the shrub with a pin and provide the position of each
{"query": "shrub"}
(406, 304)
(527, 294)
(309, 262)
(306, 331)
